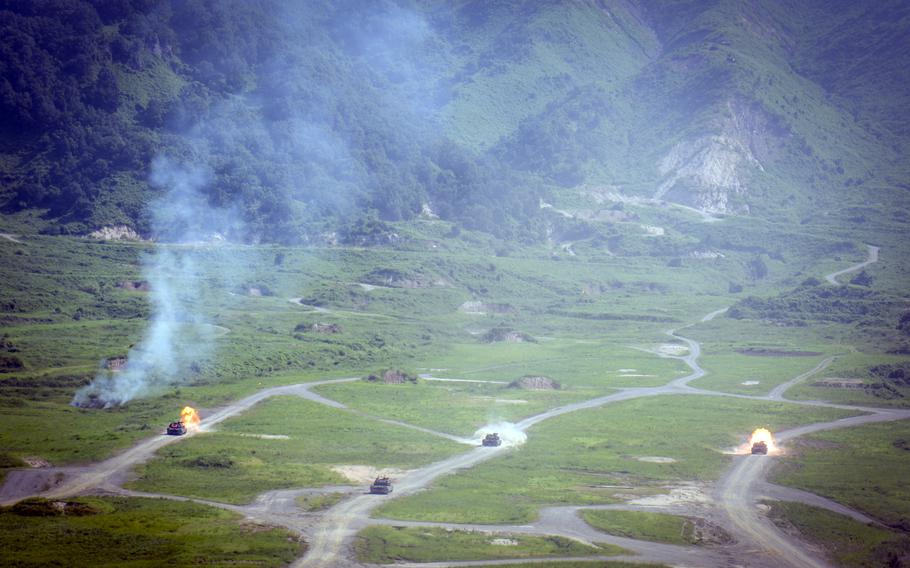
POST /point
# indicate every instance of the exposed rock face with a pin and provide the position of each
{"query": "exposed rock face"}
(535, 383)
(711, 172)
(115, 233)
(115, 363)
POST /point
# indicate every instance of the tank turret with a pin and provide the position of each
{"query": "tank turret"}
(492, 440)
(381, 486)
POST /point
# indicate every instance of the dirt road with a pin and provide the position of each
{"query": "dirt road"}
(59, 482)
(873, 257)
(330, 533)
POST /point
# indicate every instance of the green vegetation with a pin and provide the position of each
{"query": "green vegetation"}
(859, 467)
(752, 372)
(456, 408)
(473, 111)
(318, 502)
(850, 543)
(882, 377)
(136, 532)
(389, 544)
(642, 525)
(580, 457)
(244, 458)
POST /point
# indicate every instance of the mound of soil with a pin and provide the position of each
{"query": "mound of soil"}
(37, 507)
(115, 363)
(507, 335)
(476, 307)
(392, 377)
(535, 383)
(134, 285)
(761, 352)
(317, 328)
(397, 279)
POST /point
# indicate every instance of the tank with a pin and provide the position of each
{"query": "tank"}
(760, 448)
(492, 440)
(176, 429)
(382, 486)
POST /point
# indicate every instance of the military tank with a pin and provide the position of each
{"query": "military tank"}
(760, 448)
(491, 440)
(176, 429)
(381, 486)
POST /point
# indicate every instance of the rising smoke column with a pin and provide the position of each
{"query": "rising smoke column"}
(177, 335)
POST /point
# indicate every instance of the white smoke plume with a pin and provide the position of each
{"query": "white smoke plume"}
(177, 336)
(508, 433)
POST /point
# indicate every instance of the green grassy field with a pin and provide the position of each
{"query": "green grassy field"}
(456, 408)
(137, 533)
(658, 527)
(389, 544)
(860, 467)
(235, 464)
(855, 365)
(581, 457)
(849, 543)
(595, 318)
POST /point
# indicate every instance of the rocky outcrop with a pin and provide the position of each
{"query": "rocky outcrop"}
(115, 233)
(711, 172)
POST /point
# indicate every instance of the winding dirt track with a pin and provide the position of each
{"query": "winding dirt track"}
(873, 257)
(330, 533)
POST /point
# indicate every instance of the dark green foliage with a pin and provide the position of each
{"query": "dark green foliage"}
(841, 304)
(904, 323)
(896, 373)
(10, 363)
(862, 279)
(136, 532)
(37, 507)
(208, 462)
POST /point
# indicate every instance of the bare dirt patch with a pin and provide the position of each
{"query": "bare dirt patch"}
(134, 285)
(482, 308)
(677, 495)
(672, 349)
(534, 383)
(391, 377)
(655, 459)
(366, 473)
(115, 363)
(318, 327)
(838, 383)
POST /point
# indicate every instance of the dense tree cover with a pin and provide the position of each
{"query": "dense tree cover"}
(296, 120)
(304, 115)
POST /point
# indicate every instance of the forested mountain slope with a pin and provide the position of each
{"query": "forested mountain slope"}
(303, 116)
